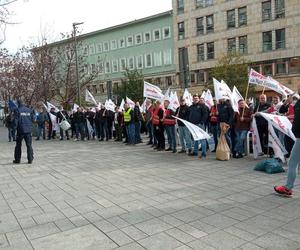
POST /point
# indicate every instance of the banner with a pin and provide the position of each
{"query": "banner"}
(203, 94)
(197, 132)
(89, 97)
(153, 92)
(236, 97)
(143, 108)
(209, 101)
(130, 102)
(50, 106)
(257, 150)
(222, 91)
(276, 145)
(188, 97)
(121, 108)
(282, 123)
(55, 125)
(174, 102)
(75, 107)
(167, 95)
(256, 78)
(109, 105)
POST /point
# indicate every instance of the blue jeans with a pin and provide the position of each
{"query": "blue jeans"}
(240, 140)
(293, 164)
(137, 132)
(40, 131)
(130, 128)
(152, 139)
(80, 128)
(203, 143)
(170, 129)
(185, 137)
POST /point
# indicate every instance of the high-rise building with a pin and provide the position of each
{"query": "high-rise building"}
(266, 33)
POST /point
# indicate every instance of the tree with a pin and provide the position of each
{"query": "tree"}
(5, 15)
(131, 86)
(233, 69)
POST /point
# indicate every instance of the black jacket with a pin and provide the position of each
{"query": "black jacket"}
(183, 113)
(24, 117)
(259, 119)
(137, 114)
(225, 113)
(79, 117)
(198, 113)
(296, 123)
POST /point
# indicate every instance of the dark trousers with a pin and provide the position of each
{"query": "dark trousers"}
(214, 128)
(109, 128)
(18, 149)
(102, 131)
(263, 132)
(160, 136)
(11, 133)
(61, 131)
(137, 133)
(118, 128)
(80, 128)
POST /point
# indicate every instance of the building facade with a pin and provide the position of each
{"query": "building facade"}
(265, 32)
(146, 45)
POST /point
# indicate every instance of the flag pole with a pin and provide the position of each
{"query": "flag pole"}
(246, 96)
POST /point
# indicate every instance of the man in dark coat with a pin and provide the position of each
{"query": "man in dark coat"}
(24, 117)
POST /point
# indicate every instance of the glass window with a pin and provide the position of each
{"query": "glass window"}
(107, 67)
(200, 26)
(243, 45)
(210, 24)
(279, 9)
(180, 6)
(231, 19)
(294, 65)
(267, 41)
(113, 45)
(131, 63)
(85, 50)
(122, 64)
(200, 52)
(93, 67)
(148, 60)
(200, 77)
(181, 32)
(100, 67)
(138, 39)
(157, 59)
(231, 45)
(166, 32)
(139, 62)
(92, 49)
(147, 37)
(115, 66)
(280, 68)
(156, 35)
(203, 3)
(105, 46)
(210, 50)
(242, 16)
(267, 69)
(122, 43)
(280, 39)
(129, 41)
(99, 47)
(266, 11)
(168, 57)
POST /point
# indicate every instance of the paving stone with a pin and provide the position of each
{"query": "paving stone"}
(18, 240)
(131, 246)
(119, 237)
(3, 241)
(200, 245)
(8, 223)
(219, 221)
(136, 216)
(153, 226)
(180, 235)
(134, 233)
(105, 226)
(41, 230)
(160, 241)
(196, 233)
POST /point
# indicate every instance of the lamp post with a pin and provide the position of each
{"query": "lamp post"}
(76, 60)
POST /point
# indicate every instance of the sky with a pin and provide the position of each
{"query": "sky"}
(49, 18)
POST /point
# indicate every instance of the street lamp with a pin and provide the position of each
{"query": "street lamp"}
(76, 60)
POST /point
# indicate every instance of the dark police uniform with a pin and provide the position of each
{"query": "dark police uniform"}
(24, 118)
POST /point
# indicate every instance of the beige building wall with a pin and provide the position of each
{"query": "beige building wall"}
(254, 29)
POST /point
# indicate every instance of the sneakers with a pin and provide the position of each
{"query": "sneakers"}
(283, 190)
(16, 162)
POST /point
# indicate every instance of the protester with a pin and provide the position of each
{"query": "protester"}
(52, 119)
(118, 124)
(24, 118)
(79, 122)
(41, 120)
(90, 124)
(214, 125)
(294, 160)
(242, 125)
(101, 124)
(148, 120)
(138, 118)
(275, 105)
(129, 123)
(157, 122)
(182, 112)
(198, 115)
(169, 123)
(10, 123)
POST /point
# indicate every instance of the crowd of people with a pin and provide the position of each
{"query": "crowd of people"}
(158, 121)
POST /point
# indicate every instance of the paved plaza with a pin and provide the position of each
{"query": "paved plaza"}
(105, 195)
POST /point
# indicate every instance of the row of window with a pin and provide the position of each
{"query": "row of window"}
(148, 60)
(198, 4)
(205, 51)
(138, 39)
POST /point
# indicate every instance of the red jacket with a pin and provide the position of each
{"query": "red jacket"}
(168, 119)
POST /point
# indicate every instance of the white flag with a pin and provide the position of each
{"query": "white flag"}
(209, 101)
(167, 95)
(203, 95)
(222, 91)
(53, 119)
(256, 145)
(256, 78)
(236, 97)
(143, 108)
(282, 123)
(130, 102)
(121, 108)
(280, 88)
(75, 107)
(188, 97)
(50, 106)
(276, 145)
(197, 132)
(89, 128)
(109, 105)
(89, 97)
(174, 102)
(153, 92)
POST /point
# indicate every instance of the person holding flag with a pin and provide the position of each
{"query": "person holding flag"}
(214, 125)
(157, 121)
(129, 124)
(295, 156)
(169, 123)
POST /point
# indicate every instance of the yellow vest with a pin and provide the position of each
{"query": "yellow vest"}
(127, 116)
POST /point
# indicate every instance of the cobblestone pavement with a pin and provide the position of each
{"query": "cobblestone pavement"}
(105, 195)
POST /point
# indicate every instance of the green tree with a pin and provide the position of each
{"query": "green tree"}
(132, 86)
(233, 69)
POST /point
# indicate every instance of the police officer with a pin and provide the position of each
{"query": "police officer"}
(24, 117)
